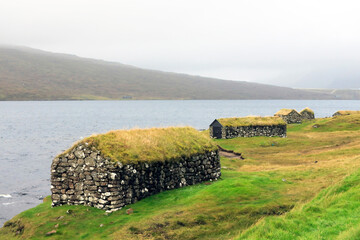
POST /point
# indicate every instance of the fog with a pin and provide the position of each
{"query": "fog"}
(310, 44)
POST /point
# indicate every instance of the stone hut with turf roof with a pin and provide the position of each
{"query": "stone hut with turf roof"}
(307, 114)
(248, 127)
(345, 112)
(111, 170)
(290, 116)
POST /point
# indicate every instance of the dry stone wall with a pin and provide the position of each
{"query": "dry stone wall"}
(253, 131)
(84, 177)
(307, 115)
(292, 118)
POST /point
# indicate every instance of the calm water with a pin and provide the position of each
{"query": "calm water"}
(32, 133)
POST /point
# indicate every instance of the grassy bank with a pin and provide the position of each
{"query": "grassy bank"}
(333, 214)
(304, 186)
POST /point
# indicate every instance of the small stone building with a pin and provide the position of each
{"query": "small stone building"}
(345, 112)
(307, 114)
(248, 127)
(289, 115)
(111, 170)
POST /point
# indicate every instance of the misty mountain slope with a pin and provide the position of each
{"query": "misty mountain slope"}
(343, 94)
(325, 77)
(29, 74)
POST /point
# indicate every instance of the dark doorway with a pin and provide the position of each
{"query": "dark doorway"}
(217, 133)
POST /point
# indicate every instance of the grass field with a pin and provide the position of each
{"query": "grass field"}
(305, 186)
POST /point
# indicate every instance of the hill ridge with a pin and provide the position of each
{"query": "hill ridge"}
(31, 74)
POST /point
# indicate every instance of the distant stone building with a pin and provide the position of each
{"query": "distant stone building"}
(248, 127)
(345, 112)
(307, 113)
(289, 115)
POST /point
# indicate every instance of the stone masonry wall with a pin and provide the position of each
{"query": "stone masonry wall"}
(307, 115)
(252, 131)
(84, 177)
(291, 118)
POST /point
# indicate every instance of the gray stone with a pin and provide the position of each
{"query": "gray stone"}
(79, 154)
(108, 185)
(113, 176)
(90, 162)
(79, 186)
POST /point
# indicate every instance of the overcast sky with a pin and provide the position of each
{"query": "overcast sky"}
(305, 43)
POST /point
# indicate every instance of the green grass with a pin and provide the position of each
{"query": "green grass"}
(251, 121)
(235, 202)
(305, 186)
(333, 214)
(334, 124)
(154, 144)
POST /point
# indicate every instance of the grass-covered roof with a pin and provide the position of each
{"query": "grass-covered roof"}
(347, 112)
(154, 144)
(284, 111)
(251, 121)
(307, 110)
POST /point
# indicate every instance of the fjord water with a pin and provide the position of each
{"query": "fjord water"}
(33, 133)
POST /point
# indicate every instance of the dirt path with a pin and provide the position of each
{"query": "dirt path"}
(229, 153)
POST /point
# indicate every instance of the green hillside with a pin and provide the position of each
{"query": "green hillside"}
(305, 186)
(333, 214)
(28, 74)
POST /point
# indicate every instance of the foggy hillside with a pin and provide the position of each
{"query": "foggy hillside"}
(29, 74)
